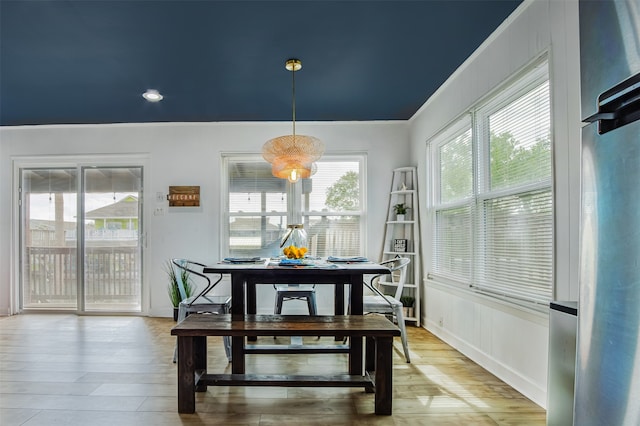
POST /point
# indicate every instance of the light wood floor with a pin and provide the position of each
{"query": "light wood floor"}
(117, 371)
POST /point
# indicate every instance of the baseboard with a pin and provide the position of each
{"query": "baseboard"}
(512, 378)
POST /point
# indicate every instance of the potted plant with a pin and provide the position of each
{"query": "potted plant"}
(174, 290)
(407, 305)
(400, 210)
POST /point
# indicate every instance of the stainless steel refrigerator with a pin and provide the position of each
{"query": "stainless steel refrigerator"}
(607, 387)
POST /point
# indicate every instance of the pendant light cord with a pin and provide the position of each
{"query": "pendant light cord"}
(293, 102)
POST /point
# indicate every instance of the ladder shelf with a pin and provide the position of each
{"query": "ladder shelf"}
(402, 235)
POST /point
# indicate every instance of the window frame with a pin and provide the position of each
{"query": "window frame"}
(361, 213)
(295, 213)
(459, 127)
(477, 117)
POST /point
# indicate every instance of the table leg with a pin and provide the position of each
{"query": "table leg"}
(238, 281)
(338, 301)
(338, 304)
(356, 294)
(384, 375)
(355, 343)
(237, 296)
(251, 304)
(251, 297)
(186, 375)
(237, 355)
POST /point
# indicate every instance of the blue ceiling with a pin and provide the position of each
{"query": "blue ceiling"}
(71, 62)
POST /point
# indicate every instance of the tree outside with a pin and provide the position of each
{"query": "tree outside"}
(456, 170)
(344, 194)
(513, 163)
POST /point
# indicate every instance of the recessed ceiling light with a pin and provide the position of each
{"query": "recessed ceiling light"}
(152, 95)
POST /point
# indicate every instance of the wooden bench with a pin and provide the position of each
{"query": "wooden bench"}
(192, 353)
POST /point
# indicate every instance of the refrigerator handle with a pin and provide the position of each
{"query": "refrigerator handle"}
(618, 106)
(600, 116)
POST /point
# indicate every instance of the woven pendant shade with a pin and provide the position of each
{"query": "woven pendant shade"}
(288, 154)
(293, 156)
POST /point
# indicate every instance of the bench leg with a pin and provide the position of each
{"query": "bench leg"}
(369, 360)
(200, 359)
(384, 375)
(186, 375)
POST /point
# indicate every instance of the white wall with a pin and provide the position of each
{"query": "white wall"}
(512, 343)
(189, 154)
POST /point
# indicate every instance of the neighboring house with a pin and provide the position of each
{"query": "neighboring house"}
(122, 214)
(116, 223)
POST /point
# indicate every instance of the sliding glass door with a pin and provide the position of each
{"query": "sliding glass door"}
(111, 238)
(80, 233)
(48, 255)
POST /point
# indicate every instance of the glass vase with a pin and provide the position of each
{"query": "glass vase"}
(295, 236)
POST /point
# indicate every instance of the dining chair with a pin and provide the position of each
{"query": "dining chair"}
(286, 292)
(202, 302)
(390, 306)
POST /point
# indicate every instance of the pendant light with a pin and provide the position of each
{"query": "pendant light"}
(293, 156)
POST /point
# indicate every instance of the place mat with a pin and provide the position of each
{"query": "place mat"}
(291, 262)
(347, 259)
(241, 259)
(306, 263)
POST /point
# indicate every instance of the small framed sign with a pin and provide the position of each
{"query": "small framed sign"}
(400, 244)
(184, 196)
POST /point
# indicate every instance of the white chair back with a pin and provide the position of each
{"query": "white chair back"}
(398, 267)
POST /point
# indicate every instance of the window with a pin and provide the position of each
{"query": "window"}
(332, 208)
(453, 208)
(493, 217)
(329, 204)
(256, 207)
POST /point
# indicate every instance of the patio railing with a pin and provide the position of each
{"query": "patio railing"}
(112, 275)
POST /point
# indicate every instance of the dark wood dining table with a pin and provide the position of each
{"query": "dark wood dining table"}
(245, 277)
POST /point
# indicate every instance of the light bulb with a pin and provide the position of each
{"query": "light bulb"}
(293, 177)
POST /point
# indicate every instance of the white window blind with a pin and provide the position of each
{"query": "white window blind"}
(495, 232)
(515, 207)
(515, 247)
(519, 140)
(453, 242)
(256, 208)
(454, 203)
